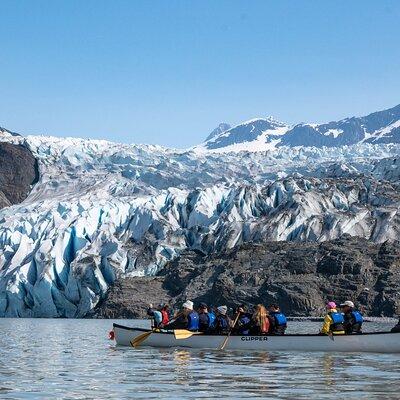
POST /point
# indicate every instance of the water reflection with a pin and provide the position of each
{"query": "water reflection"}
(50, 359)
(327, 368)
(182, 372)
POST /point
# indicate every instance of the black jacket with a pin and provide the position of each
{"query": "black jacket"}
(179, 323)
(203, 322)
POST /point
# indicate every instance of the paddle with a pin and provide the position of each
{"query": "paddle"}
(229, 333)
(184, 333)
(140, 339)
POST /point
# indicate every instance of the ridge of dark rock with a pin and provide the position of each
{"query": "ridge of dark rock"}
(301, 277)
(18, 171)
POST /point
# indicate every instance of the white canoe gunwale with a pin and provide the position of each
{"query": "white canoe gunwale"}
(375, 342)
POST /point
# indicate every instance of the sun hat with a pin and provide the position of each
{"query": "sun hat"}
(188, 304)
(222, 309)
(331, 305)
(347, 303)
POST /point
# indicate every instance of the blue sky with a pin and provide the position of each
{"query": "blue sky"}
(168, 72)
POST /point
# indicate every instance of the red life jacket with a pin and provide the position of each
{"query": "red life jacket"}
(165, 317)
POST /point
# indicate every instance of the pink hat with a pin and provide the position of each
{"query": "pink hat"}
(331, 305)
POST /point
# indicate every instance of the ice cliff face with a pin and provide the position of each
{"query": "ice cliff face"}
(102, 210)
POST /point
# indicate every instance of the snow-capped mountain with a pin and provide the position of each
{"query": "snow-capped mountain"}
(255, 135)
(100, 210)
(265, 134)
(222, 127)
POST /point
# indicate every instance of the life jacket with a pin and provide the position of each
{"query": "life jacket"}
(157, 317)
(280, 319)
(244, 321)
(211, 319)
(165, 317)
(264, 328)
(358, 318)
(193, 321)
(223, 324)
(337, 324)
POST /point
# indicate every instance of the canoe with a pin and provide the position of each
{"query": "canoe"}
(377, 342)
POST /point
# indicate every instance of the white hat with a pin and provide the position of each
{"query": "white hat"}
(347, 303)
(222, 309)
(188, 304)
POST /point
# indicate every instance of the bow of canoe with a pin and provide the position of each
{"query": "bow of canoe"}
(377, 342)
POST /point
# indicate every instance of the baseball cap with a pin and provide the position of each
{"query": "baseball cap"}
(347, 303)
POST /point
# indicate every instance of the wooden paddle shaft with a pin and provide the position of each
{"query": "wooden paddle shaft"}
(230, 331)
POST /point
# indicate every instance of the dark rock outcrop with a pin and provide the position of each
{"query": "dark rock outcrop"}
(18, 171)
(299, 276)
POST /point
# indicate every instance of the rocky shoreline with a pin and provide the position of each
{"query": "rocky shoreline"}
(299, 276)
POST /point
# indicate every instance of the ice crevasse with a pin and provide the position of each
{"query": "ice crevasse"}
(101, 211)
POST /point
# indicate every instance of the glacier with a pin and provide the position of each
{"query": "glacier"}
(103, 210)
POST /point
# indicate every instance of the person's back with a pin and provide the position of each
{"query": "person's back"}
(333, 322)
(244, 321)
(222, 321)
(193, 321)
(278, 322)
(165, 314)
(352, 318)
(156, 315)
(259, 322)
(203, 322)
(203, 317)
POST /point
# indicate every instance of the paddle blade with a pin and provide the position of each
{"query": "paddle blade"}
(184, 333)
(140, 339)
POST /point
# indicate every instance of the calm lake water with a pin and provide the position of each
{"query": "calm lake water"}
(73, 359)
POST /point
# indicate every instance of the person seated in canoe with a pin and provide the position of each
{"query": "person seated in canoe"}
(333, 321)
(223, 323)
(352, 318)
(164, 309)
(187, 318)
(206, 318)
(259, 324)
(277, 320)
(155, 313)
(243, 323)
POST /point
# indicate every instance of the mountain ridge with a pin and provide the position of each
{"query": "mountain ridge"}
(261, 134)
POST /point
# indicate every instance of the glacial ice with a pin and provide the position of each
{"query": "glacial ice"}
(103, 210)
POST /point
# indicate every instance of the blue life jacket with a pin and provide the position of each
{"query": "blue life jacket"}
(211, 319)
(337, 322)
(223, 323)
(193, 321)
(157, 317)
(358, 318)
(244, 320)
(280, 318)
